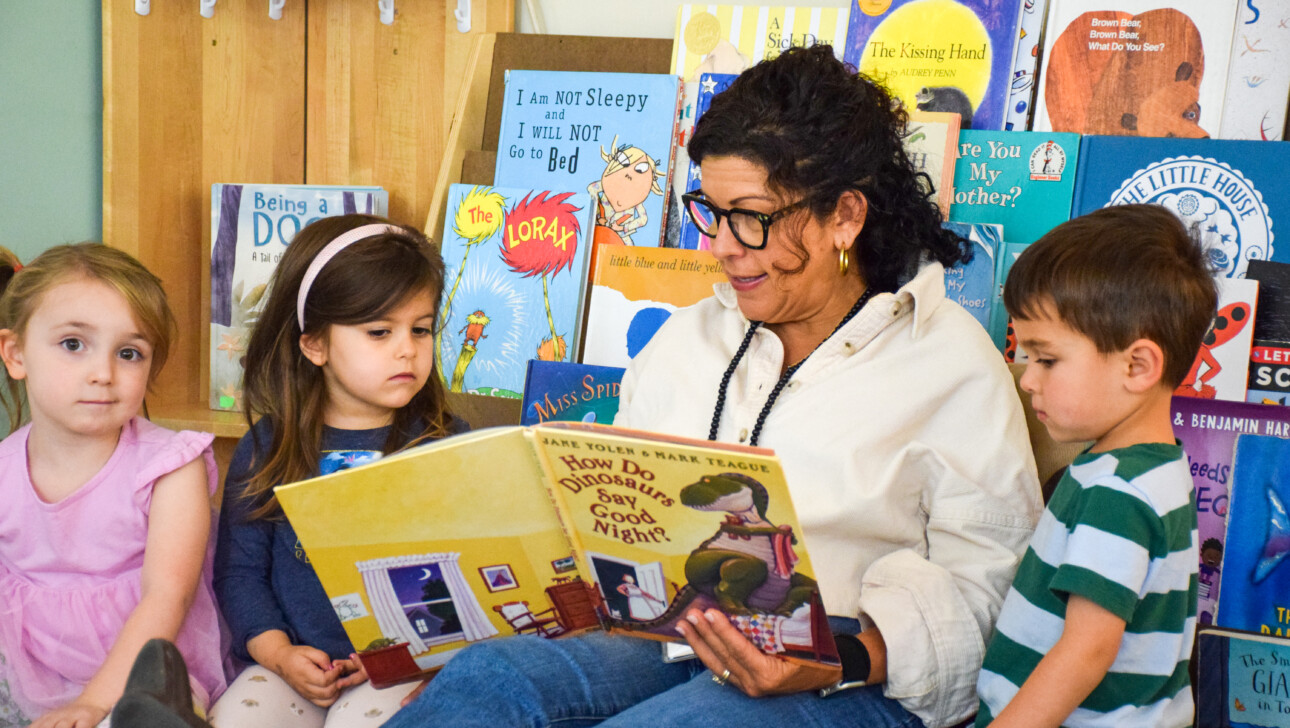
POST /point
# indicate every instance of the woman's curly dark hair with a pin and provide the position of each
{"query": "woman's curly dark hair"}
(820, 129)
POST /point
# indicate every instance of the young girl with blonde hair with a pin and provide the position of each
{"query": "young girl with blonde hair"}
(105, 517)
(340, 368)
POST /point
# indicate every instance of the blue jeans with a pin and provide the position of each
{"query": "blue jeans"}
(606, 680)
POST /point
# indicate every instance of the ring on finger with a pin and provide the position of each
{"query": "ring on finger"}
(723, 678)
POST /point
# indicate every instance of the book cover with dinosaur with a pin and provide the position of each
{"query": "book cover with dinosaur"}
(635, 290)
(1208, 430)
(515, 264)
(939, 55)
(1149, 68)
(251, 226)
(552, 530)
(609, 135)
(1255, 593)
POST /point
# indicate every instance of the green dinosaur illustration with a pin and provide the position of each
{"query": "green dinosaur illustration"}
(743, 565)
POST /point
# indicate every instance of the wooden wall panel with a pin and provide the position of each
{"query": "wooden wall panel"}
(189, 101)
(380, 97)
(152, 129)
(326, 95)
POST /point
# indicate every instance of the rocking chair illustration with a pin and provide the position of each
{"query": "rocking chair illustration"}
(523, 620)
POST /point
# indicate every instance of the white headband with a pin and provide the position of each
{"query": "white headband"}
(327, 253)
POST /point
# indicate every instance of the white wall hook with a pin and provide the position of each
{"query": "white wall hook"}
(462, 14)
(387, 11)
(142, 7)
(275, 9)
(207, 8)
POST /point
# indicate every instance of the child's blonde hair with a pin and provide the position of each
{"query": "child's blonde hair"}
(362, 283)
(118, 270)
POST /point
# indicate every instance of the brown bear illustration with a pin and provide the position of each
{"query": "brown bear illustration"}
(1128, 92)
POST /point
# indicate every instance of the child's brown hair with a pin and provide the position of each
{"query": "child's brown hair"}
(1120, 274)
(363, 282)
(23, 287)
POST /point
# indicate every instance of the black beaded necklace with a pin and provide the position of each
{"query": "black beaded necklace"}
(783, 379)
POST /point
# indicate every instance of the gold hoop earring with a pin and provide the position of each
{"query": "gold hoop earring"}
(844, 261)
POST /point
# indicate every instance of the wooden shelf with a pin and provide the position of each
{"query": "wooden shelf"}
(326, 95)
(197, 417)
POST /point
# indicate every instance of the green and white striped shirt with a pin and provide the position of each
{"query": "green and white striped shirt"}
(1120, 531)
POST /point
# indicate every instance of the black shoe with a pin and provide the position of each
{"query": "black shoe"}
(141, 710)
(160, 676)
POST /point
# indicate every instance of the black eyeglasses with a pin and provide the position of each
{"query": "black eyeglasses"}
(750, 228)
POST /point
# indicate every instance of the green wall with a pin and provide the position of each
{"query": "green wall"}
(51, 123)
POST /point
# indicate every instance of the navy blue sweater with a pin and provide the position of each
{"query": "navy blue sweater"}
(263, 579)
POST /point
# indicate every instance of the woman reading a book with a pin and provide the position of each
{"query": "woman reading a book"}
(896, 421)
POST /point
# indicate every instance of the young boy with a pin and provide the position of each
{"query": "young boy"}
(1097, 628)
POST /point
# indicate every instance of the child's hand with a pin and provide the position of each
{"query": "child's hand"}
(75, 715)
(310, 672)
(353, 671)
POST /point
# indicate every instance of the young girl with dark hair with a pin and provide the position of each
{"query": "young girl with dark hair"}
(340, 368)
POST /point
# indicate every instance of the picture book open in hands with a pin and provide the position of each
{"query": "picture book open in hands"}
(555, 529)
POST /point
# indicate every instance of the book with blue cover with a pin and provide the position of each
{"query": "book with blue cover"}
(1230, 193)
(710, 84)
(609, 135)
(1256, 573)
(999, 319)
(1022, 180)
(561, 391)
(939, 55)
(515, 266)
(971, 284)
(251, 226)
(1243, 680)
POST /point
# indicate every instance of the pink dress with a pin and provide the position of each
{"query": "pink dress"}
(70, 571)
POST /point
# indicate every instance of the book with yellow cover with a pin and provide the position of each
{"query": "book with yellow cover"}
(939, 55)
(729, 39)
(634, 291)
(551, 530)
(931, 141)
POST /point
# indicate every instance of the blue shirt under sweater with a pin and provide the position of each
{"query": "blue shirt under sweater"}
(263, 579)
